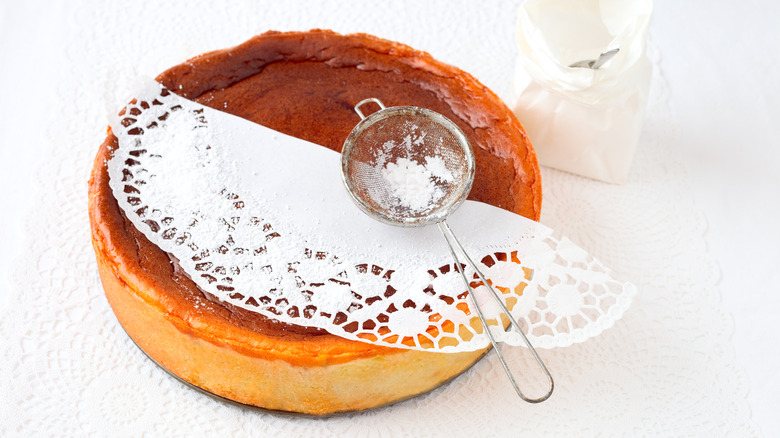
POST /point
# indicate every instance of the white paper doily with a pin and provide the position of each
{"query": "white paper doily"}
(67, 368)
(244, 233)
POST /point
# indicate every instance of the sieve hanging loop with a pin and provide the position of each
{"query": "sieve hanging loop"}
(433, 148)
(365, 101)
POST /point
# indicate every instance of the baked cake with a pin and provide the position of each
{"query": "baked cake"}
(304, 84)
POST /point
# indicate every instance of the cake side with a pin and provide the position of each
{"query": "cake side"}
(268, 378)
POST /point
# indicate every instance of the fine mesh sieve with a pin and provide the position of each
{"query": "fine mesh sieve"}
(409, 134)
(409, 167)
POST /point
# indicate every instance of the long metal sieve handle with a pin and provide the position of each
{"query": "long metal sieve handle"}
(448, 234)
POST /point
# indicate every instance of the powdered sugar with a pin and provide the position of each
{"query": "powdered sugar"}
(438, 169)
(415, 186)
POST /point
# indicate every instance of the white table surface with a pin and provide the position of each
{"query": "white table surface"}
(722, 61)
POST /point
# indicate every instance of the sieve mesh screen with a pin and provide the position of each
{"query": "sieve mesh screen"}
(409, 165)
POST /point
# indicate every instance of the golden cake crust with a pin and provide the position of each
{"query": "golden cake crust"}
(303, 84)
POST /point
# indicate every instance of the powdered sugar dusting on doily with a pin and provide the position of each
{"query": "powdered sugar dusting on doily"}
(285, 241)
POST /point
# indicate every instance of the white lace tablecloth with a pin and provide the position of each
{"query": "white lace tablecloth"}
(668, 368)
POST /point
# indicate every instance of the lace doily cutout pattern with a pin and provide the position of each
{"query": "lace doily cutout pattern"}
(236, 251)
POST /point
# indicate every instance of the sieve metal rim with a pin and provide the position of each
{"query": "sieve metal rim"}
(384, 113)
